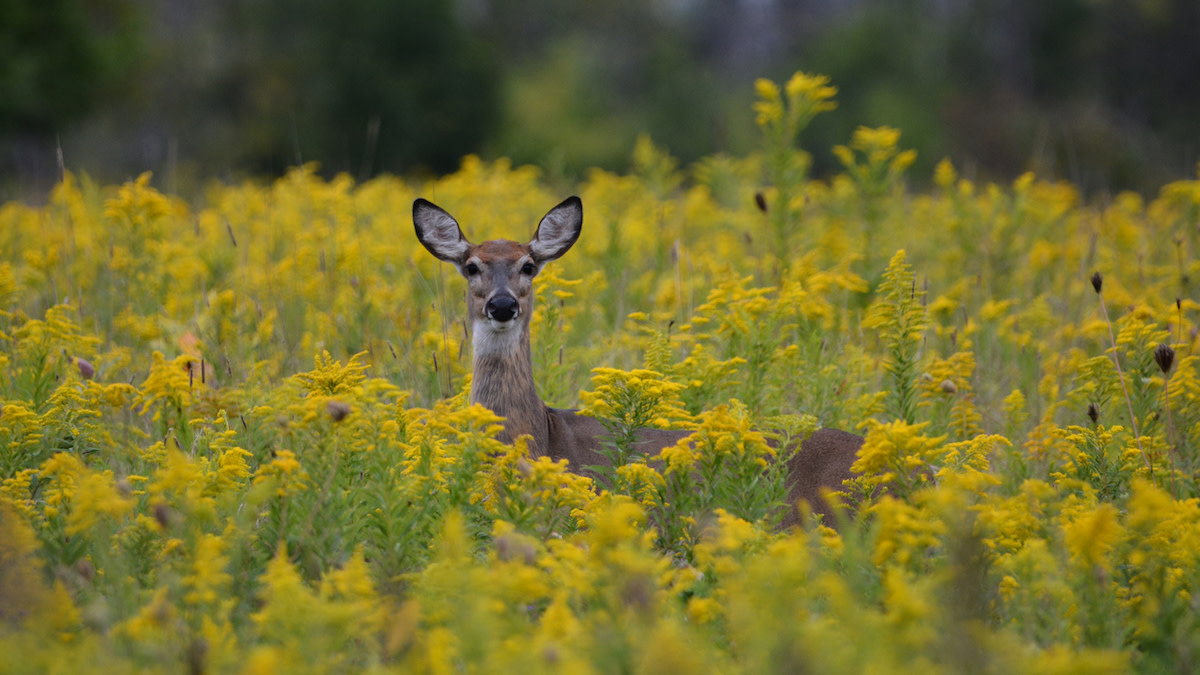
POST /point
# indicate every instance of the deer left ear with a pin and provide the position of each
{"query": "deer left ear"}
(558, 231)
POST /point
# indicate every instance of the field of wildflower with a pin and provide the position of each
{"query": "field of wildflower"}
(235, 438)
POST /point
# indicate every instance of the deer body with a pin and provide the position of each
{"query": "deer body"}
(500, 276)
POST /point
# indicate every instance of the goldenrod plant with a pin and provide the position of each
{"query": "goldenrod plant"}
(235, 431)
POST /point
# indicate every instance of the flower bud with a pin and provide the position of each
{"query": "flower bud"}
(337, 410)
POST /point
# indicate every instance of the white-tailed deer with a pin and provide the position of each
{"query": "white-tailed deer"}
(499, 277)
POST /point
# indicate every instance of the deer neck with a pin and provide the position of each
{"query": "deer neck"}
(503, 382)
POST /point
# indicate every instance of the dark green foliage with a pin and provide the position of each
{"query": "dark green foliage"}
(60, 58)
(364, 86)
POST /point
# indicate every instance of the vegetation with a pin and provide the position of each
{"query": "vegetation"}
(234, 436)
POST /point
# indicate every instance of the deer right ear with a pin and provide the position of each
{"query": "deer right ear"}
(438, 231)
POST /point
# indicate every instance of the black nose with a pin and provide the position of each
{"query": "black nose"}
(502, 308)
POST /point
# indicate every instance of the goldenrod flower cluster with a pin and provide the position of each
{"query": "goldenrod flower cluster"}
(235, 434)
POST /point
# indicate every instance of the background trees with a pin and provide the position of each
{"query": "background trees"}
(1102, 92)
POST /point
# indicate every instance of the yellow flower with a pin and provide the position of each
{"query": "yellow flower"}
(1008, 587)
(168, 386)
(703, 610)
(811, 87)
(207, 582)
(894, 451)
(679, 458)
(330, 377)
(804, 97)
(668, 649)
(635, 399)
(263, 660)
(558, 621)
(769, 107)
(96, 496)
(729, 541)
(1092, 536)
(285, 470)
(640, 481)
(232, 469)
(906, 606)
(619, 523)
(151, 622)
(944, 174)
(766, 89)
(903, 532)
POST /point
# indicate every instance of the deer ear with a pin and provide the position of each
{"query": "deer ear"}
(558, 230)
(439, 232)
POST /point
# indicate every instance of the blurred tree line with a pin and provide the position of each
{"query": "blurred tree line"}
(1102, 92)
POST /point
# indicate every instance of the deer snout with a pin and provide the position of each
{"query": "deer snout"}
(502, 308)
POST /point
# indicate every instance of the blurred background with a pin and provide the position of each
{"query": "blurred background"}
(1105, 93)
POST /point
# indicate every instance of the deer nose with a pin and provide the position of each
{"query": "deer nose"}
(502, 308)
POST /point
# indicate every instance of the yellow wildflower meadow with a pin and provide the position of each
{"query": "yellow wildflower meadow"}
(235, 434)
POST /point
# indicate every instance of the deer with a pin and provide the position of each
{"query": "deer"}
(499, 275)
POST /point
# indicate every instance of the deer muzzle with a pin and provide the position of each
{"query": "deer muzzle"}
(502, 308)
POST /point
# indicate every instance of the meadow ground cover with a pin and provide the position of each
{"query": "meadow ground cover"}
(234, 437)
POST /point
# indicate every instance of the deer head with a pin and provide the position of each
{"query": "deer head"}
(499, 272)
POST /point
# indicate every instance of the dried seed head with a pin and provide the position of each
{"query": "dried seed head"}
(1093, 412)
(949, 387)
(1097, 281)
(162, 514)
(197, 657)
(161, 611)
(85, 569)
(515, 548)
(87, 370)
(1164, 356)
(638, 592)
(337, 410)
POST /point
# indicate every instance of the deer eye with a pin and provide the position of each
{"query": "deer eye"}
(470, 269)
(528, 269)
